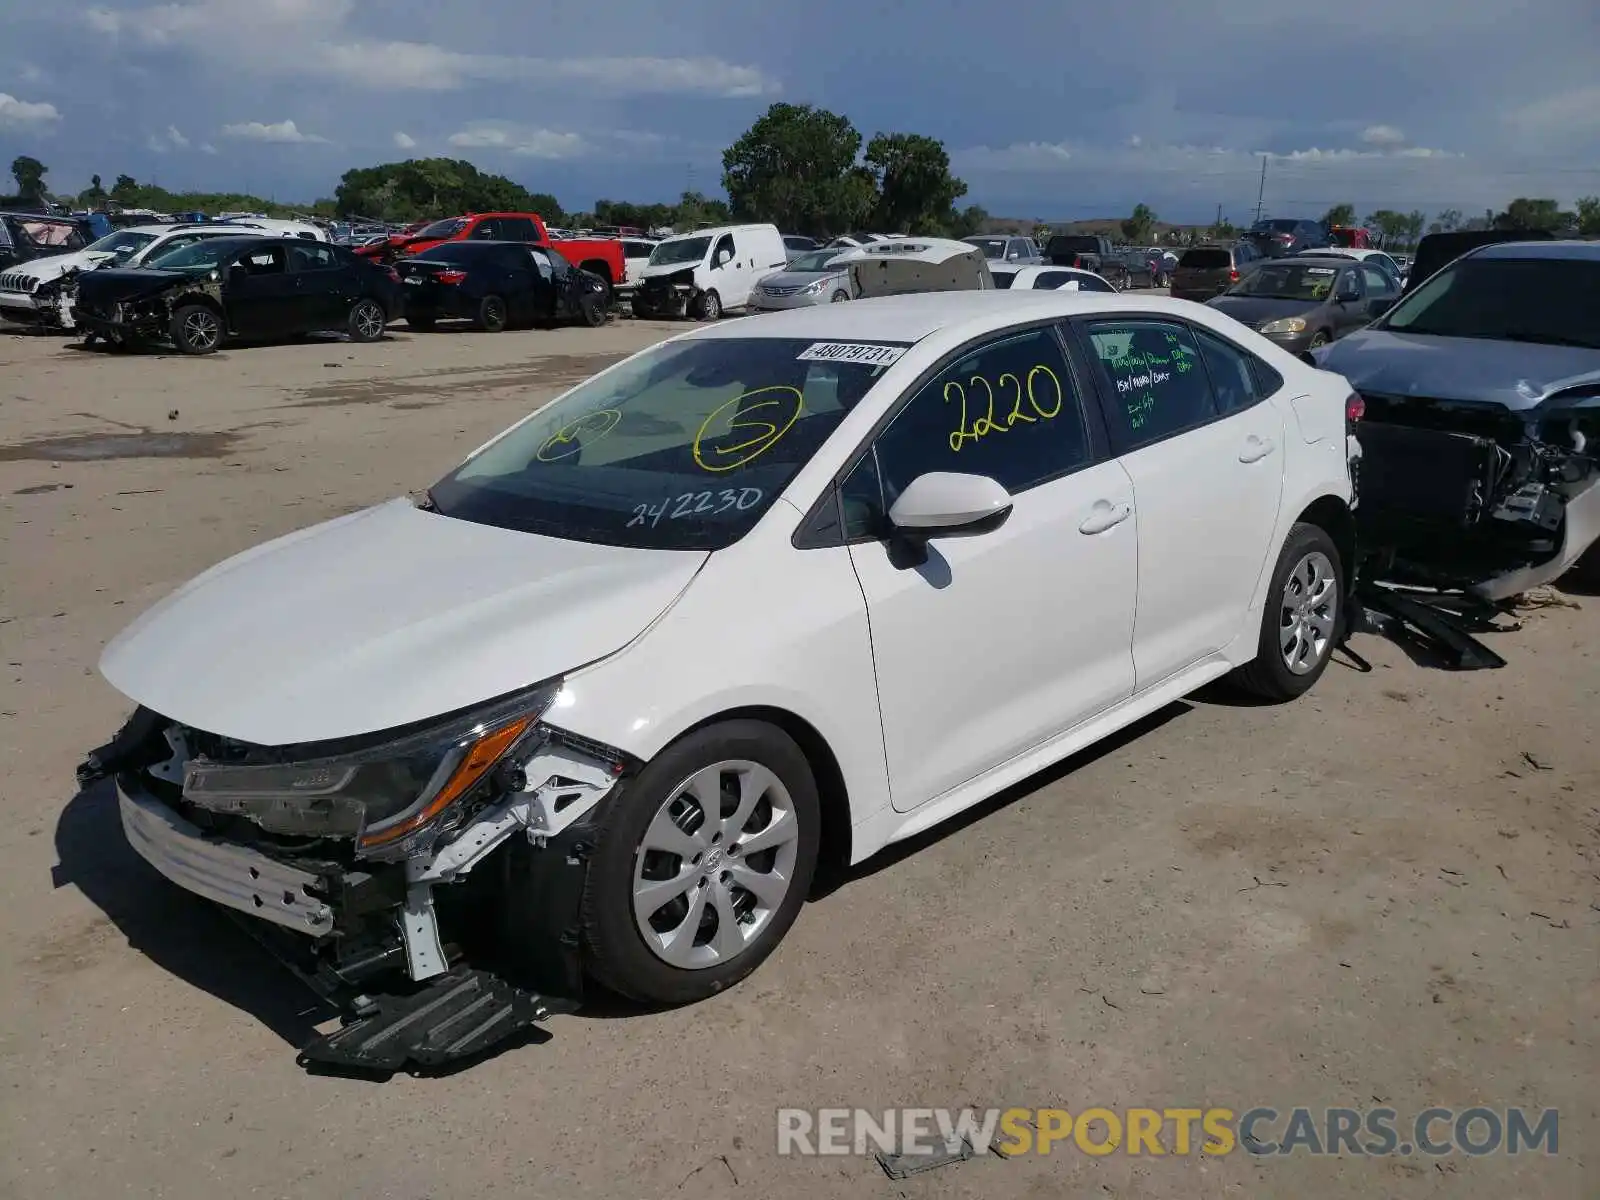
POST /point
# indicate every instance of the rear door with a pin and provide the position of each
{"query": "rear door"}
(1207, 471)
(327, 289)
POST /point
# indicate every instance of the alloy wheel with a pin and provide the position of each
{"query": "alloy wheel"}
(1308, 613)
(715, 864)
(201, 329)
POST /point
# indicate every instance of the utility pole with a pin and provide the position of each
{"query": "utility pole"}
(1262, 191)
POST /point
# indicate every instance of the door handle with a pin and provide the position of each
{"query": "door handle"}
(1105, 515)
(1255, 449)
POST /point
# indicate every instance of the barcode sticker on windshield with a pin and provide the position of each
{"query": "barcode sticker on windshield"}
(1319, 270)
(851, 352)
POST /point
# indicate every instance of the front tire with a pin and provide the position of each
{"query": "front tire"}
(492, 316)
(595, 311)
(1301, 620)
(701, 864)
(839, 297)
(708, 307)
(1318, 339)
(367, 321)
(196, 329)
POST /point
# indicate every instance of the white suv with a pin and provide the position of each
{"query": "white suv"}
(41, 291)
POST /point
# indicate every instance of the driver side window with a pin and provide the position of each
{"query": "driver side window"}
(1007, 409)
(724, 252)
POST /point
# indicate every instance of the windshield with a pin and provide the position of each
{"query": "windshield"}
(122, 244)
(448, 227)
(683, 447)
(815, 260)
(992, 247)
(203, 255)
(687, 250)
(1287, 281)
(1547, 300)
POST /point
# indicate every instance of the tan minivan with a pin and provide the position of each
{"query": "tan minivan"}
(1206, 271)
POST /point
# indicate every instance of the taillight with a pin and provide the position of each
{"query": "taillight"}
(450, 277)
(1233, 274)
(1354, 408)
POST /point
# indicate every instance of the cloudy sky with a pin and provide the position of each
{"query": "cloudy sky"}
(1048, 109)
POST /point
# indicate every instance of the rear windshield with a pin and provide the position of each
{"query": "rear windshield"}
(1279, 225)
(1003, 279)
(992, 247)
(683, 447)
(1069, 242)
(1206, 260)
(1547, 301)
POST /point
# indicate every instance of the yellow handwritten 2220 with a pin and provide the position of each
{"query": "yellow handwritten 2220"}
(1027, 388)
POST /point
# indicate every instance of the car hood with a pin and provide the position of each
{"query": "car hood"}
(1257, 310)
(663, 270)
(1517, 375)
(381, 618)
(110, 284)
(790, 279)
(58, 265)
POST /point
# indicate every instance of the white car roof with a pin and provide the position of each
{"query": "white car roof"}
(972, 312)
(1027, 274)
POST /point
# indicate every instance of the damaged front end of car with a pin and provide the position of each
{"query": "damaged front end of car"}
(1485, 498)
(424, 880)
(666, 295)
(129, 307)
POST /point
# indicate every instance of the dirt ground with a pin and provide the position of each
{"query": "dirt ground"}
(1386, 893)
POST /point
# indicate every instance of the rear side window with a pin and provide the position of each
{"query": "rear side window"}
(487, 230)
(1153, 371)
(519, 229)
(1206, 260)
(1233, 379)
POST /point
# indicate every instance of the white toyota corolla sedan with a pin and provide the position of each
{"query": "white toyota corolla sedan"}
(778, 589)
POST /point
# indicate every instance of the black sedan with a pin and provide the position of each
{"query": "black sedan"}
(497, 284)
(1305, 301)
(248, 288)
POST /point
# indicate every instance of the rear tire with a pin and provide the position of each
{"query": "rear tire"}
(724, 929)
(367, 321)
(196, 329)
(492, 316)
(1302, 619)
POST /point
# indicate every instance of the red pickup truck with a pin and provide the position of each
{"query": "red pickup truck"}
(598, 256)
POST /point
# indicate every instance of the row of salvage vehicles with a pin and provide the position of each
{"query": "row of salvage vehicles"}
(197, 286)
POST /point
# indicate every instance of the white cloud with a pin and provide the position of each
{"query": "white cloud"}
(1018, 157)
(310, 37)
(280, 132)
(1386, 136)
(171, 139)
(531, 143)
(404, 141)
(1565, 114)
(176, 138)
(21, 115)
(29, 73)
(207, 148)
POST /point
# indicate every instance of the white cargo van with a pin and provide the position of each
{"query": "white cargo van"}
(708, 272)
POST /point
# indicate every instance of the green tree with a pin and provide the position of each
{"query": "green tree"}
(915, 191)
(435, 187)
(29, 174)
(1413, 230)
(125, 189)
(971, 220)
(1340, 214)
(1141, 225)
(93, 196)
(1523, 213)
(1449, 220)
(1392, 225)
(1589, 215)
(796, 166)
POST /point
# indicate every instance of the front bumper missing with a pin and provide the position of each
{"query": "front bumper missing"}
(234, 876)
(371, 943)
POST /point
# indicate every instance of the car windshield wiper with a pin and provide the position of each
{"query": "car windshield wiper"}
(1546, 339)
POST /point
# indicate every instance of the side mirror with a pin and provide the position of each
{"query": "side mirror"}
(949, 504)
(1347, 296)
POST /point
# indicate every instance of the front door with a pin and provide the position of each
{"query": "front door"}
(263, 300)
(1001, 640)
(1207, 469)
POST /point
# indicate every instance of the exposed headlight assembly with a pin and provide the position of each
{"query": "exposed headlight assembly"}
(1285, 325)
(394, 797)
